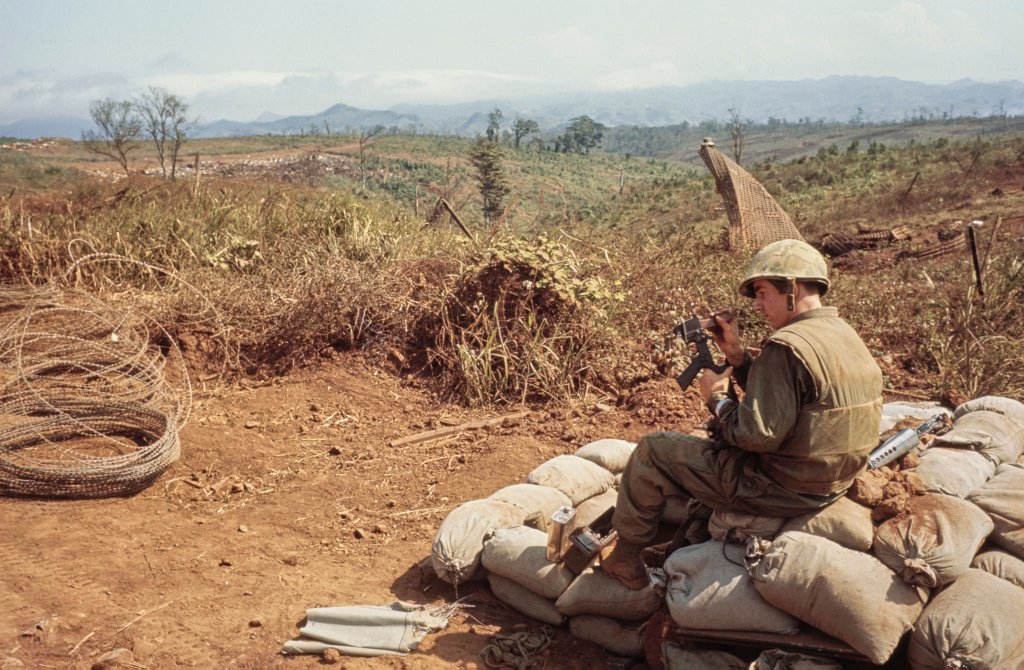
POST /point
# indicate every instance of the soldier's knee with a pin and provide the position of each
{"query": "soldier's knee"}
(670, 446)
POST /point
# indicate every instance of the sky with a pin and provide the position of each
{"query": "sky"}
(238, 60)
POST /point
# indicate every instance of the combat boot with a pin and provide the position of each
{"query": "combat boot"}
(623, 563)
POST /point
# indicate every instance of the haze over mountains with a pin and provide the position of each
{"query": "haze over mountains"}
(836, 98)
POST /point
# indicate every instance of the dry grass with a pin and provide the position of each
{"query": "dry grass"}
(261, 277)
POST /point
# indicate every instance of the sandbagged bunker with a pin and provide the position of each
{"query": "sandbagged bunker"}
(904, 561)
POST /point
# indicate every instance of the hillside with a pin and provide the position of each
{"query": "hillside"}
(320, 316)
(835, 99)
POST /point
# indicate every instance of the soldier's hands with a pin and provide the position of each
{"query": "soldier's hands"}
(711, 382)
(727, 337)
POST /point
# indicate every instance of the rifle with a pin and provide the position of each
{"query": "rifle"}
(692, 332)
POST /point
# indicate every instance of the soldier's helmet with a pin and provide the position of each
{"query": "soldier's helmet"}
(786, 259)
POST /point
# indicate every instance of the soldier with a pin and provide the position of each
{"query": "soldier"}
(804, 429)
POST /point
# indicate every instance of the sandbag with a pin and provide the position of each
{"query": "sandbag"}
(1001, 564)
(894, 412)
(955, 472)
(612, 455)
(1001, 498)
(609, 633)
(594, 592)
(999, 436)
(974, 624)
(459, 541)
(519, 554)
(576, 477)
(932, 544)
(590, 509)
(709, 589)
(727, 526)
(684, 658)
(777, 659)
(524, 601)
(844, 522)
(847, 594)
(537, 502)
(990, 403)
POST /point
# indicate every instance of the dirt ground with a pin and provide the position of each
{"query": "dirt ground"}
(289, 496)
(286, 496)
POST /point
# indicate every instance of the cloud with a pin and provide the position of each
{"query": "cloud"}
(304, 93)
(191, 84)
(570, 43)
(661, 73)
(437, 85)
(245, 94)
(903, 22)
(33, 93)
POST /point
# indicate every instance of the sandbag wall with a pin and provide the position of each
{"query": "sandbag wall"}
(933, 546)
(503, 538)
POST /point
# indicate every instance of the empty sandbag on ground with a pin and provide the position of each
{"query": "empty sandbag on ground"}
(609, 633)
(519, 554)
(537, 502)
(932, 544)
(844, 522)
(459, 541)
(1001, 498)
(709, 589)
(997, 435)
(524, 601)
(594, 592)
(848, 594)
(610, 454)
(975, 623)
(1001, 564)
(576, 477)
(955, 472)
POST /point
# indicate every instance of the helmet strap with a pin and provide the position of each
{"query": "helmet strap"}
(791, 294)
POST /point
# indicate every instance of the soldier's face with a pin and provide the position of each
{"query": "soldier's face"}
(772, 303)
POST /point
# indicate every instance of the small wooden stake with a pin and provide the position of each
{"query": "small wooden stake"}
(432, 435)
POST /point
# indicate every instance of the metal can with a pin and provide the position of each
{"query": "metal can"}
(558, 532)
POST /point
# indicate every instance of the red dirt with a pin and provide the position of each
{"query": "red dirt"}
(215, 564)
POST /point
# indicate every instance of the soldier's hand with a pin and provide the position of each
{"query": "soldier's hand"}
(711, 382)
(727, 336)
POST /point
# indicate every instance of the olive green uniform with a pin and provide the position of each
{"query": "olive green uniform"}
(807, 423)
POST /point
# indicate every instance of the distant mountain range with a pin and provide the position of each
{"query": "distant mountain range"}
(837, 98)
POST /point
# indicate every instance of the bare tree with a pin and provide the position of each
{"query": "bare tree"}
(364, 140)
(736, 133)
(118, 130)
(164, 119)
(180, 127)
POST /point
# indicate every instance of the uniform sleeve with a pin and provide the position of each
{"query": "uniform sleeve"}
(777, 387)
(742, 371)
